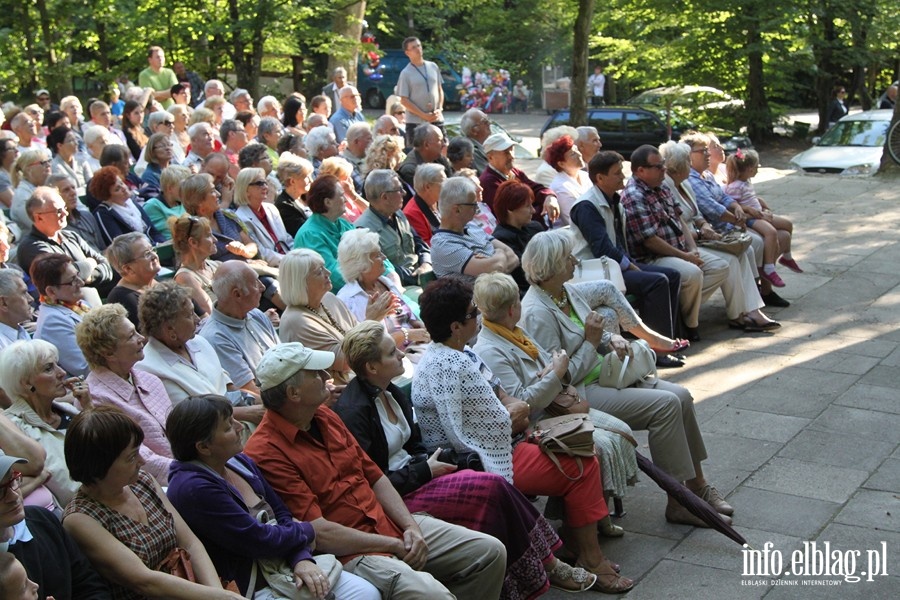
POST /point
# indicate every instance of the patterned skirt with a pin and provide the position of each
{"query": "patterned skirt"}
(487, 503)
(618, 463)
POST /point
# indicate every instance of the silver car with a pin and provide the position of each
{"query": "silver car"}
(853, 147)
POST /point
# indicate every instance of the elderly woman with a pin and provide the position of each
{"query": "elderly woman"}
(270, 131)
(118, 213)
(8, 155)
(743, 303)
(216, 104)
(320, 143)
(342, 169)
(484, 217)
(219, 491)
(257, 156)
(133, 128)
(162, 122)
(385, 152)
(185, 362)
(556, 315)
(458, 407)
(35, 383)
(181, 116)
(168, 203)
(121, 518)
(381, 419)
(530, 373)
(159, 154)
(314, 316)
(362, 265)
(323, 230)
(62, 307)
(112, 347)
(134, 259)
(512, 204)
(31, 170)
(63, 143)
(194, 243)
(547, 171)
(250, 120)
(262, 219)
(460, 153)
(571, 179)
(295, 175)
(95, 140)
(716, 157)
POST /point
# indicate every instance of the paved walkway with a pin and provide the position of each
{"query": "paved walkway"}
(802, 425)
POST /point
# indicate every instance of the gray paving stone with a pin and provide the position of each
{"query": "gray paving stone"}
(886, 478)
(636, 552)
(883, 376)
(810, 480)
(840, 362)
(785, 513)
(853, 537)
(893, 359)
(673, 579)
(728, 451)
(864, 423)
(881, 589)
(755, 425)
(712, 549)
(873, 509)
(873, 397)
(837, 450)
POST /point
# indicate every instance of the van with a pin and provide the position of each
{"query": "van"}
(377, 86)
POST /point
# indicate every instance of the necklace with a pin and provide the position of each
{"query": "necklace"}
(562, 302)
(327, 317)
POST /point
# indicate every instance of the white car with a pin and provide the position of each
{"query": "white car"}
(852, 147)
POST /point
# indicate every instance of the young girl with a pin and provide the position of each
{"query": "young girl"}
(776, 231)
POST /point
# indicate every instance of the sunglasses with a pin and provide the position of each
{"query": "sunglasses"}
(193, 221)
(259, 183)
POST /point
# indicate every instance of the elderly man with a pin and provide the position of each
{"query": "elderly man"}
(158, 77)
(428, 145)
(398, 240)
(588, 143)
(214, 87)
(348, 113)
(234, 138)
(241, 99)
(598, 221)
(80, 219)
(387, 125)
(48, 212)
(499, 150)
(461, 246)
(37, 539)
(422, 209)
(314, 463)
(269, 106)
(15, 307)
(654, 231)
(477, 127)
(202, 144)
(420, 89)
(338, 81)
(320, 144)
(359, 136)
(237, 329)
(26, 129)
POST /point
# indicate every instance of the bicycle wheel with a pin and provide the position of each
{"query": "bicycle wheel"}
(893, 140)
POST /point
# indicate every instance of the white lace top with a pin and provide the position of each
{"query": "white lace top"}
(457, 408)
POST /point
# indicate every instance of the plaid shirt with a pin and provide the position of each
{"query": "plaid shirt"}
(650, 212)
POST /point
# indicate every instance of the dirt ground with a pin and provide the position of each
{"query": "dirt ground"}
(778, 152)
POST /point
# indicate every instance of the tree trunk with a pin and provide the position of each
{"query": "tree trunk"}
(887, 163)
(823, 50)
(347, 22)
(580, 47)
(759, 116)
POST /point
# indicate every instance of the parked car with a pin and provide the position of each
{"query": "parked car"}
(701, 104)
(624, 128)
(520, 152)
(375, 85)
(852, 147)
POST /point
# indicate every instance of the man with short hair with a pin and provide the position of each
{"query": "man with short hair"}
(101, 116)
(237, 329)
(501, 167)
(654, 231)
(598, 222)
(475, 125)
(269, 106)
(348, 113)
(37, 539)
(359, 136)
(889, 99)
(214, 87)
(461, 246)
(241, 99)
(192, 79)
(399, 242)
(420, 89)
(15, 307)
(202, 141)
(316, 466)
(428, 145)
(26, 129)
(597, 86)
(234, 139)
(338, 81)
(80, 219)
(588, 143)
(422, 209)
(42, 97)
(158, 77)
(387, 125)
(47, 210)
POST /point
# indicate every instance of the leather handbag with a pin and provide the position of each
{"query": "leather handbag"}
(178, 563)
(639, 367)
(567, 402)
(572, 435)
(600, 268)
(734, 242)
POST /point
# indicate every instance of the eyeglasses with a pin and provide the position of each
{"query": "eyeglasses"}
(394, 191)
(472, 314)
(59, 212)
(172, 122)
(12, 484)
(661, 166)
(472, 204)
(259, 183)
(700, 151)
(77, 280)
(148, 255)
(43, 163)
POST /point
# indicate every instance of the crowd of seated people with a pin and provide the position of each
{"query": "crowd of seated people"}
(177, 281)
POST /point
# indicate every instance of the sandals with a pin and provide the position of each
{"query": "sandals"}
(747, 323)
(610, 583)
(571, 579)
(678, 346)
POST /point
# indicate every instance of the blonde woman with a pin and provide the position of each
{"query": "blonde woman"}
(194, 243)
(263, 221)
(342, 169)
(30, 170)
(385, 152)
(182, 117)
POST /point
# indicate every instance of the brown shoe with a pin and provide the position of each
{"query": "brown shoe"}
(676, 513)
(712, 496)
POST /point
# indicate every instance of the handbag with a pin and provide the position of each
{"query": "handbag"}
(734, 242)
(572, 435)
(600, 268)
(178, 564)
(566, 403)
(639, 367)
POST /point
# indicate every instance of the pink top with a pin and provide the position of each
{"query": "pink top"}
(743, 192)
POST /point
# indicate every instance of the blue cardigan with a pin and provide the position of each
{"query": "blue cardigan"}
(215, 511)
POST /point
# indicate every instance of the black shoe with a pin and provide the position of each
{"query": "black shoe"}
(692, 334)
(667, 361)
(773, 299)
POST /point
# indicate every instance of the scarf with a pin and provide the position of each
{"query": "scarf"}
(515, 336)
(130, 214)
(79, 308)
